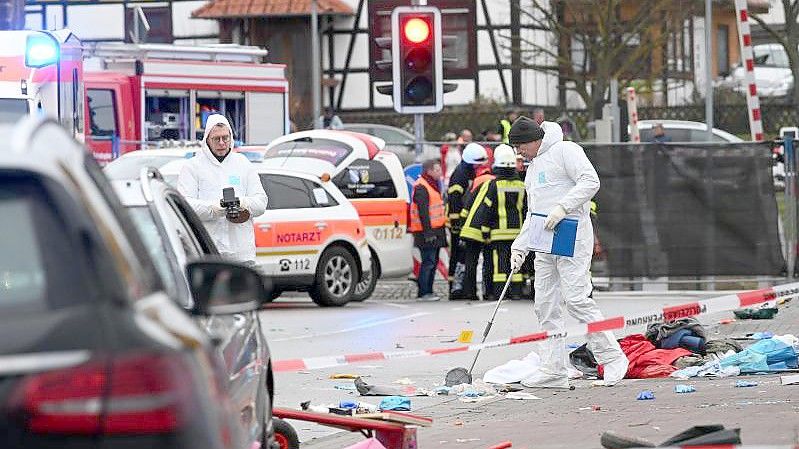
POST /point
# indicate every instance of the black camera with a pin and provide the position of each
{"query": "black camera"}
(232, 205)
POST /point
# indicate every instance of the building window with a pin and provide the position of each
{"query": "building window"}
(160, 20)
(723, 54)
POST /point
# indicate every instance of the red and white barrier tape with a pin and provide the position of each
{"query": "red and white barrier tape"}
(747, 55)
(761, 298)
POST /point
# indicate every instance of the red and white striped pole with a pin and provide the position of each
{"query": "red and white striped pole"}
(632, 113)
(747, 56)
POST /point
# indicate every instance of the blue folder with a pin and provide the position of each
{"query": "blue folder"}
(565, 236)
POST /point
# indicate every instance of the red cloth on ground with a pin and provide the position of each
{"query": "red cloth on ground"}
(645, 360)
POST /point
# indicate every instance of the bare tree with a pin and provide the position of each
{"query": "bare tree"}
(12, 14)
(788, 38)
(591, 43)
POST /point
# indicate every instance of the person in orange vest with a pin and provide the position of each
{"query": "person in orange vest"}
(428, 220)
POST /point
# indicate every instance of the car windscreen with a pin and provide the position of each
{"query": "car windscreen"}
(12, 109)
(39, 265)
(323, 149)
(130, 167)
(148, 229)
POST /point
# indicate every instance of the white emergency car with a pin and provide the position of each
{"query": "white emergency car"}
(309, 239)
(370, 177)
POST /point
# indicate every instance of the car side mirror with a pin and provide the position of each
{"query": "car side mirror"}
(225, 287)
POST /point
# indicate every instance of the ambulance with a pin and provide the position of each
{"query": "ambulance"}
(147, 95)
(371, 178)
(41, 72)
(309, 239)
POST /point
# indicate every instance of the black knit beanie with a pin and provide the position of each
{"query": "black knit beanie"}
(525, 130)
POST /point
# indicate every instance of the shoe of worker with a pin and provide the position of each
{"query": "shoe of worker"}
(430, 297)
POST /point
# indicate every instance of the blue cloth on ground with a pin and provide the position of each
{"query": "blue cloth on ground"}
(765, 355)
(645, 395)
(684, 388)
(396, 403)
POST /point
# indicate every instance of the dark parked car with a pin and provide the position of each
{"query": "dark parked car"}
(174, 235)
(95, 352)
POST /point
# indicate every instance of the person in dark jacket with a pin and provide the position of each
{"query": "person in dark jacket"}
(428, 221)
(459, 184)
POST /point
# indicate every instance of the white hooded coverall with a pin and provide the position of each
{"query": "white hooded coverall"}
(561, 174)
(201, 181)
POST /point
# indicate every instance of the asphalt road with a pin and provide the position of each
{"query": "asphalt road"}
(297, 328)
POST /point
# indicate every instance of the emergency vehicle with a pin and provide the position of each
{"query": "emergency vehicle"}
(309, 239)
(41, 72)
(139, 93)
(370, 177)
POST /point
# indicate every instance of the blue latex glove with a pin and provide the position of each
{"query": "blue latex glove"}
(646, 395)
(684, 388)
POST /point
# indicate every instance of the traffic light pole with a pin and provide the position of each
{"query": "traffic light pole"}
(418, 133)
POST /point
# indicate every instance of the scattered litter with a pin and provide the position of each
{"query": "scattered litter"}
(344, 376)
(645, 395)
(442, 390)
(403, 381)
(348, 404)
(745, 383)
(596, 408)
(726, 321)
(573, 345)
(789, 380)
(349, 387)
(640, 424)
(521, 395)
(467, 440)
(396, 403)
(761, 335)
(399, 346)
(514, 370)
(680, 388)
(365, 389)
(303, 372)
(505, 388)
(755, 314)
(582, 409)
(465, 336)
(458, 423)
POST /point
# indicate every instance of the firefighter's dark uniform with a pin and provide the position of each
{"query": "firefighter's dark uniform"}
(465, 282)
(459, 183)
(499, 210)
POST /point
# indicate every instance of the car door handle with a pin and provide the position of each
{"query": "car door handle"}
(264, 226)
(320, 224)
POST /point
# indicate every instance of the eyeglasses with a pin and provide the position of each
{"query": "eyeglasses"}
(220, 139)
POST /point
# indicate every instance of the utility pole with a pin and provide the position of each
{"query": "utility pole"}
(316, 82)
(709, 68)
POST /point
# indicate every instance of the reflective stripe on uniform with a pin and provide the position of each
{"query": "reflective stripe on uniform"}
(468, 231)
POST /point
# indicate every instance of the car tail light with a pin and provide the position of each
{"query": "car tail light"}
(134, 394)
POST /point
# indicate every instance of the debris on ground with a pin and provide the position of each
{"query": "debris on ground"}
(403, 381)
(711, 435)
(789, 380)
(344, 376)
(366, 389)
(467, 440)
(726, 321)
(680, 388)
(745, 383)
(521, 395)
(474, 392)
(465, 336)
(761, 335)
(756, 314)
(395, 403)
(349, 387)
(645, 395)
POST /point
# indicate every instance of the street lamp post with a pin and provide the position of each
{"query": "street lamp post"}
(316, 83)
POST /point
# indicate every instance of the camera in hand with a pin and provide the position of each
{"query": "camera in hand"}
(232, 205)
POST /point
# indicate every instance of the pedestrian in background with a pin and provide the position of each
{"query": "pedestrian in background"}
(428, 220)
(561, 181)
(330, 120)
(460, 182)
(538, 115)
(659, 134)
(504, 125)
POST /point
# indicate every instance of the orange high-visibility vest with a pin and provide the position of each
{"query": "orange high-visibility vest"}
(437, 216)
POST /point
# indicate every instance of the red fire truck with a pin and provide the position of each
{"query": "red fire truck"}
(143, 95)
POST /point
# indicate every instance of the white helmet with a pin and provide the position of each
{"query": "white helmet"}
(504, 156)
(475, 154)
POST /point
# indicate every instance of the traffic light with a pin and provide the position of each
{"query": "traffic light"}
(416, 59)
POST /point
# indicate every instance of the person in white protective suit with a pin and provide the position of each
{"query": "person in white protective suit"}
(214, 168)
(560, 182)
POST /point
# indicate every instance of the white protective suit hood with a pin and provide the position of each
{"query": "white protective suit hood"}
(201, 181)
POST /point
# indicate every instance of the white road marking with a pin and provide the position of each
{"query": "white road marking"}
(482, 304)
(354, 328)
(391, 304)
